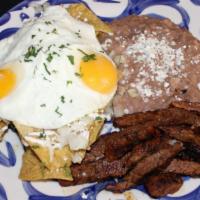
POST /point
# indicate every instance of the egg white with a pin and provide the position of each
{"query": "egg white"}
(50, 93)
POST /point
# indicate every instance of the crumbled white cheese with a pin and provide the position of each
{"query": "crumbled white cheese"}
(158, 61)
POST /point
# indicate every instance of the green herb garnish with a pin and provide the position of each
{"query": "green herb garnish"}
(32, 36)
(62, 98)
(50, 57)
(54, 31)
(78, 34)
(58, 112)
(46, 68)
(78, 74)
(49, 47)
(43, 105)
(32, 52)
(69, 82)
(47, 22)
(43, 135)
(71, 59)
(62, 46)
(87, 57)
(55, 53)
(46, 79)
(98, 118)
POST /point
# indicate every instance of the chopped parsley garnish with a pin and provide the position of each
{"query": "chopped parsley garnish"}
(47, 22)
(71, 59)
(78, 74)
(32, 52)
(54, 31)
(58, 112)
(98, 118)
(87, 57)
(42, 135)
(62, 98)
(46, 68)
(71, 101)
(46, 79)
(43, 105)
(27, 60)
(69, 82)
(55, 53)
(50, 57)
(32, 36)
(78, 34)
(62, 46)
(49, 47)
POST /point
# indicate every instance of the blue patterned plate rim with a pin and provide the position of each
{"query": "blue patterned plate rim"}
(133, 7)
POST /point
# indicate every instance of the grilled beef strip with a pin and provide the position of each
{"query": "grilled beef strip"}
(166, 152)
(113, 146)
(184, 167)
(162, 184)
(164, 117)
(103, 169)
(181, 133)
(190, 106)
(190, 153)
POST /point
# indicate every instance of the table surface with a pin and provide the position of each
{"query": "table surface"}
(5, 5)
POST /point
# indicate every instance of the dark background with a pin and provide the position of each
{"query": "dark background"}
(5, 5)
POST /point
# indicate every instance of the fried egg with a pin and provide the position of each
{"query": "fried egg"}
(53, 71)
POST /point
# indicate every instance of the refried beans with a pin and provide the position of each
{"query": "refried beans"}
(158, 63)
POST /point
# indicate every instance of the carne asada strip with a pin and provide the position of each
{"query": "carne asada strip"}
(190, 153)
(159, 185)
(190, 106)
(165, 117)
(103, 169)
(183, 134)
(147, 165)
(184, 167)
(114, 145)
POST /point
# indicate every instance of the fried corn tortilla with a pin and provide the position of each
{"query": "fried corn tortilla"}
(83, 13)
(62, 158)
(39, 171)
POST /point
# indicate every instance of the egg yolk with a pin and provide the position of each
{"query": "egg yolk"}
(99, 74)
(7, 82)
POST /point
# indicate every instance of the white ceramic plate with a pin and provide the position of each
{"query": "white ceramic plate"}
(186, 13)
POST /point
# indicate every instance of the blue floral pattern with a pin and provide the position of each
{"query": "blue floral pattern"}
(90, 193)
(133, 7)
(196, 2)
(11, 159)
(3, 195)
